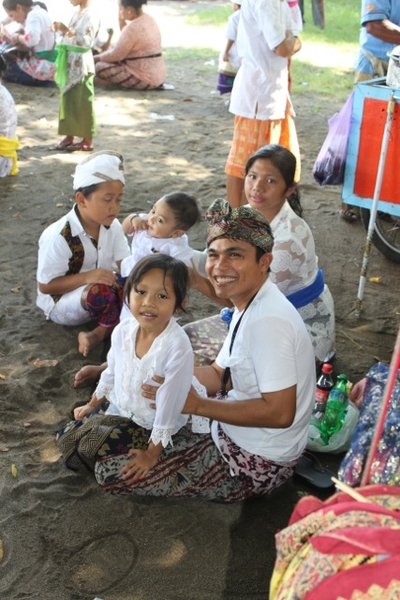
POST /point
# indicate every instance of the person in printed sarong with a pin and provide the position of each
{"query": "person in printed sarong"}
(75, 77)
(34, 61)
(260, 389)
(81, 253)
(149, 342)
(136, 60)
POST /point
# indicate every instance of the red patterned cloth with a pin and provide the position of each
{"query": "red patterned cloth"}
(341, 548)
(104, 302)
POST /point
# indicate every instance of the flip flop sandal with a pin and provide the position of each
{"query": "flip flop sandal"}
(64, 144)
(310, 469)
(349, 215)
(79, 146)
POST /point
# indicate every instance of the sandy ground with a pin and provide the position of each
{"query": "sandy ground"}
(61, 537)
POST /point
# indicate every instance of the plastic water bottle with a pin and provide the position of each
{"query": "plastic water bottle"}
(322, 391)
(336, 409)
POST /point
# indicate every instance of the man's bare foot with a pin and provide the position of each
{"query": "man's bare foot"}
(87, 340)
(88, 375)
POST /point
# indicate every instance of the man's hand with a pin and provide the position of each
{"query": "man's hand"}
(191, 402)
(150, 391)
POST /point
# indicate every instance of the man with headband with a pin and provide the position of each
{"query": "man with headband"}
(260, 388)
(80, 253)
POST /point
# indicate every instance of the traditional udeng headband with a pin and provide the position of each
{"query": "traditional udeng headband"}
(241, 223)
(98, 168)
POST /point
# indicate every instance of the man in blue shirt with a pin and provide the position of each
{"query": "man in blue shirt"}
(380, 33)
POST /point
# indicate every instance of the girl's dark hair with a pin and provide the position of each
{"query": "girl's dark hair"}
(186, 209)
(135, 4)
(171, 267)
(12, 4)
(285, 162)
(3, 64)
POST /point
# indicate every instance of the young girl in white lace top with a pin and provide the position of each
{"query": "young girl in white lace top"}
(150, 344)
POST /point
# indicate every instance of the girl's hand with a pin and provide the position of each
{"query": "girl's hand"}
(139, 466)
(101, 276)
(82, 411)
(58, 26)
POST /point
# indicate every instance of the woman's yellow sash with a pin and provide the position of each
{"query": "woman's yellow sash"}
(8, 149)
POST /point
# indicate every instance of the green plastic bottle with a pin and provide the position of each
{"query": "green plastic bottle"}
(336, 409)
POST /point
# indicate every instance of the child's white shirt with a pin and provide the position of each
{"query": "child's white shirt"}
(171, 357)
(144, 245)
(231, 34)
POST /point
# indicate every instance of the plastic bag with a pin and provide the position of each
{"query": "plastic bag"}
(331, 160)
(339, 441)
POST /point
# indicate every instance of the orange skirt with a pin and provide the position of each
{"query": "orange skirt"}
(251, 134)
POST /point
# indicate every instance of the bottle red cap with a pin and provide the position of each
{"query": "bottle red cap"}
(327, 368)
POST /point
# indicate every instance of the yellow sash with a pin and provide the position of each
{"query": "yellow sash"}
(8, 149)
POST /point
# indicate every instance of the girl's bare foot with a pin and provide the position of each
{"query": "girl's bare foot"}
(87, 340)
(88, 375)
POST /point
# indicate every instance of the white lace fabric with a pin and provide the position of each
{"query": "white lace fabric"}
(86, 25)
(295, 264)
(294, 267)
(171, 357)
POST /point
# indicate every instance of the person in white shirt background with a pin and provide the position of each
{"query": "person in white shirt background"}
(267, 38)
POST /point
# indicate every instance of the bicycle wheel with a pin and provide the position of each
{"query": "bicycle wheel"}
(386, 237)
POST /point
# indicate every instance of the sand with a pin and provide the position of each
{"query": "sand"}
(62, 537)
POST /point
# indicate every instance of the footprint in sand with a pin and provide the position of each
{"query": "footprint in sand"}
(102, 563)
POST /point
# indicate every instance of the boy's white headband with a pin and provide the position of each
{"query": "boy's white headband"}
(98, 168)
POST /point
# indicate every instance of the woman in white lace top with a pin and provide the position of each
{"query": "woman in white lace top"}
(294, 268)
(295, 265)
(151, 344)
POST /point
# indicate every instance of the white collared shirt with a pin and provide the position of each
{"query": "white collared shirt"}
(54, 252)
(272, 351)
(260, 90)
